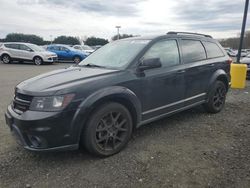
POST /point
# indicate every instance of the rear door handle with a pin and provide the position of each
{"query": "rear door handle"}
(181, 71)
(211, 65)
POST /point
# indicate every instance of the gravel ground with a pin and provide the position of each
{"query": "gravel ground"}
(190, 149)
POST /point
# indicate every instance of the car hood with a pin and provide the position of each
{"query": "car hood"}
(61, 79)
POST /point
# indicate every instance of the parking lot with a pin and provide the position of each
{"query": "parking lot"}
(189, 149)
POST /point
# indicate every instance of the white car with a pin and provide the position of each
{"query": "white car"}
(230, 52)
(11, 51)
(85, 48)
(246, 60)
(244, 53)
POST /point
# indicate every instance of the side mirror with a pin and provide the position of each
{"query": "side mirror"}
(150, 64)
(30, 50)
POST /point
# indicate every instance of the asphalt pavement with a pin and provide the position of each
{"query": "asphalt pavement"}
(190, 149)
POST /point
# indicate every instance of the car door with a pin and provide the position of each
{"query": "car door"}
(26, 52)
(13, 49)
(198, 70)
(56, 49)
(66, 54)
(163, 87)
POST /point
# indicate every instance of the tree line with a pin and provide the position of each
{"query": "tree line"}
(20, 37)
(93, 41)
(234, 42)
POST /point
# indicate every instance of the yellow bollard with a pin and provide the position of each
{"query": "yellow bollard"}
(238, 75)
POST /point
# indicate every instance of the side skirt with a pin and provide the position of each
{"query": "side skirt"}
(170, 113)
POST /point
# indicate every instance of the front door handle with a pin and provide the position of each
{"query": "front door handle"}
(181, 71)
(211, 65)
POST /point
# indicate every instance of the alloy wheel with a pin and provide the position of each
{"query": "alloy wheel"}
(111, 131)
(38, 61)
(77, 60)
(6, 59)
(219, 97)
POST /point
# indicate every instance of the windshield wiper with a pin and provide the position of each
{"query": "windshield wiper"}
(93, 65)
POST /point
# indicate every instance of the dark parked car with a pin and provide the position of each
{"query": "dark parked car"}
(123, 85)
(67, 53)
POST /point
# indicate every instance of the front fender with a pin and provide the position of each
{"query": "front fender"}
(91, 101)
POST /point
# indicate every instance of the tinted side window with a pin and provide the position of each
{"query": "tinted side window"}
(24, 47)
(62, 48)
(167, 51)
(213, 50)
(12, 46)
(192, 51)
(77, 47)
(53, 47)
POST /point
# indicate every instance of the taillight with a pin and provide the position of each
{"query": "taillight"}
(229, 61)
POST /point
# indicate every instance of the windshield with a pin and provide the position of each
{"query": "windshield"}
(36, 48)
(115, 54)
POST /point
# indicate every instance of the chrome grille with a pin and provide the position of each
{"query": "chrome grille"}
(21, 102)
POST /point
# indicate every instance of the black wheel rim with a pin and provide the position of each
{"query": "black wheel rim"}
(111, 131)
(77, 60)
(219, 97)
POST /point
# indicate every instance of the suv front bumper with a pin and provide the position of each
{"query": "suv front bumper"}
(51, 59)
(42, 131)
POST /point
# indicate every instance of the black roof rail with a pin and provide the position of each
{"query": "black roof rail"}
(189, 33)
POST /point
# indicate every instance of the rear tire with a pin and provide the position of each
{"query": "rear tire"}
(108, 130)
(38, 61)
(77, 59)
(216, 98)
(6, 59)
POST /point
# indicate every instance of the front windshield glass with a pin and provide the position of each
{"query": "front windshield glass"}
(36, 48)
(115, 54)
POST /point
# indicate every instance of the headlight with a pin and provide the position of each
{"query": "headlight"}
(52, 103)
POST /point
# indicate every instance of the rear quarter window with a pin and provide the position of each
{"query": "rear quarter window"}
(192, 50)
(12, 46)
(213, 50)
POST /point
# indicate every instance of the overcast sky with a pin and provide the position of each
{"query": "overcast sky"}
(220, 18)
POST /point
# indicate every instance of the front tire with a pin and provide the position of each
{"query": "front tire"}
(216, 97)
(108, 130)
(38, 61)
(6, 59)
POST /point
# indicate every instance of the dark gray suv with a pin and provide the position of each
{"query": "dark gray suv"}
(121, 86)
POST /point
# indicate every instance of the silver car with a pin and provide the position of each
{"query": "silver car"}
(11, 51)
(85, 48)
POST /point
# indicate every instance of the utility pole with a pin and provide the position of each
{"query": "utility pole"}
(51, 39)
(118, 34)
(242, 30)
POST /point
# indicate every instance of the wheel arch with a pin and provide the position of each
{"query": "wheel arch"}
(220, 75)
(76, 55)
(117, 94)
(5, 53)
(37, 56)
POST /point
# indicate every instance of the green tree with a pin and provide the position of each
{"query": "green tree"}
(234, 42)
(123, 36)
(19, 37)
(66, 40)
(93, 41)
